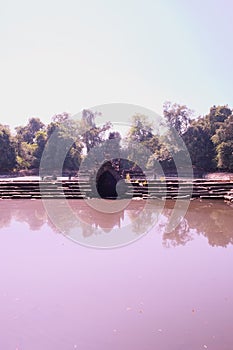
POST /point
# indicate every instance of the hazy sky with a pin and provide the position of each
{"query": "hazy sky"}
(67, 55)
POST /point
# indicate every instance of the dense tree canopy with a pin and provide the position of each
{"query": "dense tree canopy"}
(177, 116)
(200, 146)
(208, 138)
(7, 150)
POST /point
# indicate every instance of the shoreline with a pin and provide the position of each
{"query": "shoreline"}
(218, 176)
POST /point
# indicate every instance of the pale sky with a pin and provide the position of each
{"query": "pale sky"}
(67, 55)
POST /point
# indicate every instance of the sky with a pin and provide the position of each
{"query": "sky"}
(68, 55)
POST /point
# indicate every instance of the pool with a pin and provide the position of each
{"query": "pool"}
(166, 290)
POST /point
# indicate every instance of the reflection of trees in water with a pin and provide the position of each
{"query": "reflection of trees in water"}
(213, 220)
(5, 218)
(61, 219)
(141, 221)
(180, 236)
(35, 219)
(32, 213)
(214, 223)
(87, 230)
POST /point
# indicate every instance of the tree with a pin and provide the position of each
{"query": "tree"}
(141, 133)
(200, 146)
(27, 133)
(26, 143)
(112, 145)
(40, 142)
(61, 118)
(208, 139)
(225, 156)
(217, 116)
(7, 150)
(25, 160)
(92, 135)
(62, 144)
(141, 130)
(223, 140)
(177, 116)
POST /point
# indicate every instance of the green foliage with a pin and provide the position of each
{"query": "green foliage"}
(217, 117)
(209, 140)
(141, 130)
(27, 133)
(91, 134)
(142, 142)
(7, 150)
(63, 144)
(27, 155)
(225, 155)
(40, 142)
(223, 140)
(200, 146)
(26, 143)
(177, 116)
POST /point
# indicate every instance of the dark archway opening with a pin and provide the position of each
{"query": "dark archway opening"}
(110, 179)
(106, 185)
(106, 181)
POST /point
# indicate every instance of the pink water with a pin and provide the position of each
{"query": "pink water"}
(166, 291)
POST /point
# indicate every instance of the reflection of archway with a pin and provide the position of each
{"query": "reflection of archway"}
(93, 220)
(104, 221)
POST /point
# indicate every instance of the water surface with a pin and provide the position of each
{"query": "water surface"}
(165, 291)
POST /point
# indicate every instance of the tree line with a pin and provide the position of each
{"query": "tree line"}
(208, 139)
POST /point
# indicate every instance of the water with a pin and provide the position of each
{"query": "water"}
(165, 291)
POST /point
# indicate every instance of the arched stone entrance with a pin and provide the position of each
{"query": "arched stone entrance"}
(111, 184)
(106, 181)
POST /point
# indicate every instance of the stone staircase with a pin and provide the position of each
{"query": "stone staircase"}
(229, 196)
(81, 188)
(174, 189)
